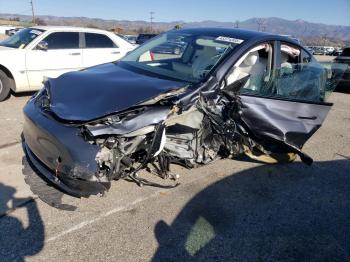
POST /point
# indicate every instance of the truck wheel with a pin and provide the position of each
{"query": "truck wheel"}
(5, 86)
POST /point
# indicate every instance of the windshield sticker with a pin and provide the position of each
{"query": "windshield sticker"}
(229, 39)
(36, 32)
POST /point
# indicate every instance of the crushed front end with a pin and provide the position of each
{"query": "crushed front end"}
(58, 152)
(82, 158)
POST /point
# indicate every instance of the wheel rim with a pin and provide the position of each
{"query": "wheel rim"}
(1, 86)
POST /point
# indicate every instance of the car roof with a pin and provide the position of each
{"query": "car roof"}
(69, 28)
(228, 32)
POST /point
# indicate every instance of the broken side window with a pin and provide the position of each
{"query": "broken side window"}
(298, 76)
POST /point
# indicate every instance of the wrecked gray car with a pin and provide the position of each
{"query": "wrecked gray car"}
(228, 92)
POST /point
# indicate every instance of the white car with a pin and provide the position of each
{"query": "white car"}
(46, 51)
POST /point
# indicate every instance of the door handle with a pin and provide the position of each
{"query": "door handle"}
(74, 53)
(308, 117)
(115, 52)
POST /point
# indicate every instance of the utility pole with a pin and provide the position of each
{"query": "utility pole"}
(261, 23)
(33, 15)
(151, 19)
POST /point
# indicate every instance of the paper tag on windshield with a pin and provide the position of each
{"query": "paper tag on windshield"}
(229, 39)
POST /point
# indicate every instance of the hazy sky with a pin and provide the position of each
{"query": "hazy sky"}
(324, 11)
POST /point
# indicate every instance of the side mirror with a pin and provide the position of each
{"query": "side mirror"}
(43, 45)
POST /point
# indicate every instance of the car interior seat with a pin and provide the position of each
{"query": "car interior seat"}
(252, 65)
(202, 60)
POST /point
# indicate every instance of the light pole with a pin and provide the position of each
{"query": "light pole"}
(33, 15)
(151, 20)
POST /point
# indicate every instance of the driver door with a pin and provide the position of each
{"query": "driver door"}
(284, 99)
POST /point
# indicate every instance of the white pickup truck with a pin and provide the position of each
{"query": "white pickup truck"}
(46, 51)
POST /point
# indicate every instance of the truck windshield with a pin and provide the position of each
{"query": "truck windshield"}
(22, 38)
(183, 56)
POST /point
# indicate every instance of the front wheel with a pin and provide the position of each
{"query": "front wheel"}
(273, 158)
(5, 86)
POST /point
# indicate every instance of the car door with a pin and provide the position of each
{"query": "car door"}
(62, 54)
(99, 49)
(285, 102)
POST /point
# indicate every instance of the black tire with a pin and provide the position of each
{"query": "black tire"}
(5, 86)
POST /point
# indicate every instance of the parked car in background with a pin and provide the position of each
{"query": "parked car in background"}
(131, 38)
(12, 31)
(337, 52)
(144, 38)
(344, 58)
(329, 50)
(176, 48)
(319, 50)
(310, 49)
(45, 51)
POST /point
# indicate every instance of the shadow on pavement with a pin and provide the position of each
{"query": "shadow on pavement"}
(16, 240)
(268, 213)
(23, 94)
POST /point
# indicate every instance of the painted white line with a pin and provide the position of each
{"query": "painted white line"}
(101, 216)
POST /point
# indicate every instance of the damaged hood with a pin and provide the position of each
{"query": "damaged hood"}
(102, 90)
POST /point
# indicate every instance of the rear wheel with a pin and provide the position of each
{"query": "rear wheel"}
(5, 86)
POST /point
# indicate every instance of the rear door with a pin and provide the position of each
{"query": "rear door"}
(63, 54)
(99, 49)
(285, 101)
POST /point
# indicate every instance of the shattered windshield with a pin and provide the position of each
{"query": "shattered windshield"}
(22, 38)
(182, 56)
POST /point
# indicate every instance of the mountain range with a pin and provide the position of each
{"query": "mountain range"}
(297, 28)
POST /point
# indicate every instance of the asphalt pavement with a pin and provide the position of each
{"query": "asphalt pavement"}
(230, 210)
